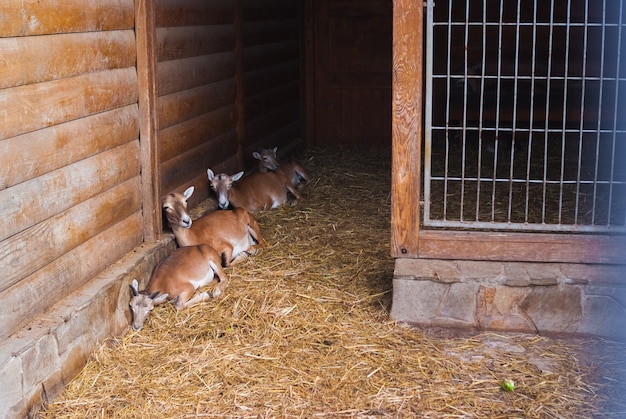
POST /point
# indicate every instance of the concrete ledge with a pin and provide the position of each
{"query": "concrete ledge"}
(37, 362)
(511, 296)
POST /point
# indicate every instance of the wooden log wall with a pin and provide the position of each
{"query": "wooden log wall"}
(107, 104)
(70, 194)
(270, 111)
(196, 90)
(227, 78)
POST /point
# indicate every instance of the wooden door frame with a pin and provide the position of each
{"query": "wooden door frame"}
(407, 240)
(145, 32)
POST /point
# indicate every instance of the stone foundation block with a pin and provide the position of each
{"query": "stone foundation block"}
(512, 296)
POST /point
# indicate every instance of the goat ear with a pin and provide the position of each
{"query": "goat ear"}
(133, 287)
(188, 192)
(160, 298)
(210, 174)
(237, 176)
(256, 155)
(275, 149)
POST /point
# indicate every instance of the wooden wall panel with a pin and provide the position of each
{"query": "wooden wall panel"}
(51, 57)
(181, 106)
(36, 17)
(194, 12)
(69, 151)
(286, 94)
(33, 248)
(267, 55)
(63, 276)
(40, 198)
(193, 132)
(270, 73)
(41, 105)
(178, 75)
(227, 71)
(196, 90)
(523, 247)
(189, 168)
(192, 41)
(60, 145)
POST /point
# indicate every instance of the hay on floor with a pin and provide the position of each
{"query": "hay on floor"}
(303, 331)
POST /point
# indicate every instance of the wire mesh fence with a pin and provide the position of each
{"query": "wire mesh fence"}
(525, 115)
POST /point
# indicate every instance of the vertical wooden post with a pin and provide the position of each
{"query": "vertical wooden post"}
(406, 127)
(145, 32)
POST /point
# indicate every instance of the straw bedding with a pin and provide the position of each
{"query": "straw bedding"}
(303, 331)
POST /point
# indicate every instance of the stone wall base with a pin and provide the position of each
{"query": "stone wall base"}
(550, 298)
(40, 360)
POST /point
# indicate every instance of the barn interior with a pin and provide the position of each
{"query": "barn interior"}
(108, 105)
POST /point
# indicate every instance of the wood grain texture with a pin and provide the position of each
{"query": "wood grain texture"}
(36, 17)
(269, 31)
(33, 295)
(406, 127)
(189, 134)
(268, 10)
(180, 170)
(39, 152)
(523, 247)
(36, 106)
(31, 202)
(260, 104)
(145, 28)
(181, 106)
(171, 13)
(267, 55)
(34, 59)
(271, 121)
(270, 77)
(177, 75)
(191, 41)
(32, 249)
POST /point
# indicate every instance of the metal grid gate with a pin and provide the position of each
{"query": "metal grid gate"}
(523, 129)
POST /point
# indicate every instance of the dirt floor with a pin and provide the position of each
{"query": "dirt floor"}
(303, 331)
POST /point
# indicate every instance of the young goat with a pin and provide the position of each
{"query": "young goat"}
(233, 234)
(254, 192)
(268, 162)
(176, 278)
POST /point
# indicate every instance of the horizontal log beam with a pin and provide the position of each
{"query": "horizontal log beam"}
(58, 279)
(521, 247)
(195, 12)
(32, 249)
(64, 144)
(35, 59)
(181, 106)
(187, 135)
(29, 203)
(178, 75)
(36, 17)
(191, 41)
(41, 105)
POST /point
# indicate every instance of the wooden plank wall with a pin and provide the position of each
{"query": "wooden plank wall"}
(196, 90)
(228, 83)
(269, 75)
(205, 82)
(70, 195)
